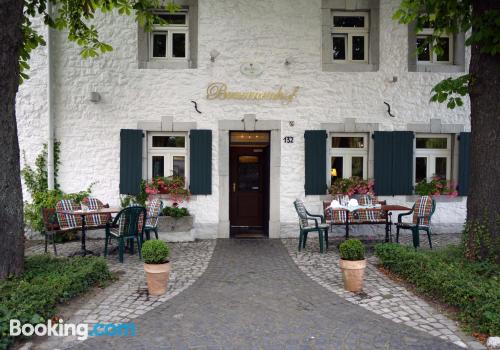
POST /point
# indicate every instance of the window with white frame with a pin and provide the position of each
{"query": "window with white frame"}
(432, 157)
(170, 40)
(426, 52)
(350, 36)
(167, 154)
(348, 156)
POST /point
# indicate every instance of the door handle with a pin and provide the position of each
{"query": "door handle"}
(234, 186)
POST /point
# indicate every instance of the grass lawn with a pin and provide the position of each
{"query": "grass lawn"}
(473, 288)
(47, 281)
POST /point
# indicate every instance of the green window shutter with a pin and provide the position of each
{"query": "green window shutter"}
(130, 161)
(393, 162)
(200, 161)
(464, 163)
(315, 162)
(402, 169)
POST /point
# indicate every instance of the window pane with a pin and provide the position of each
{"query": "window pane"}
(358, 48)
(248, 175)
(169, 141)
(349, 21)
(160, 45)
(158, 166)
(178, 45)
(423, 50)
(172, 19)
(432, 142)
(441, 167)
(444, 44)
(357, 166)
(336, 170)
(179, 166)
(420, 168)
(347, 142)
(339, 50)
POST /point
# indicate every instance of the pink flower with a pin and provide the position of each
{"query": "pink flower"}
(454, 194)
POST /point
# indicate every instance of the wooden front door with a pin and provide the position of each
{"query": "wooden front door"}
(249, 179)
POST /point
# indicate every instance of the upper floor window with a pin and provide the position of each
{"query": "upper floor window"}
(425, 49)
(432, 157)
(350, 36)
(169, 40)
(348, 155)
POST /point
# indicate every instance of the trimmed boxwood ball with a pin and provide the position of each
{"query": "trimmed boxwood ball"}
(352, 249)
(155, 252)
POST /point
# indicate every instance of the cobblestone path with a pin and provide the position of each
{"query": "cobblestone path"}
(253, 296)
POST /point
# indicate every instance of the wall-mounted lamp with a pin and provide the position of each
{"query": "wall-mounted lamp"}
(214, 54)
(94, 96)
(333, 172)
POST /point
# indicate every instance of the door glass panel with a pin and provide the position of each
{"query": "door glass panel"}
(160, 44)
(339, 50)
(248, 173)
(158, 166)
(178, 45)
(358, 48)
(432, 142)
(336, 171)
(347, 142)
(349, 21)
(357, 166)
(444, 44)
(169, 141)
(420, 168)
(441, 167)
(423, 49)
(179, 165)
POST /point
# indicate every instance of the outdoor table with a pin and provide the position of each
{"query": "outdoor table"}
(83, 251)
(389, 208)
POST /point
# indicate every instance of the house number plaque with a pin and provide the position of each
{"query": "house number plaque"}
(288, 139)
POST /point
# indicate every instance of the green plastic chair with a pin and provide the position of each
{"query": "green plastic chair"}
(306, 227)
(127, 226)
(422, 212)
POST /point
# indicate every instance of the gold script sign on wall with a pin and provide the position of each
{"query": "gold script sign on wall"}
(221, 92)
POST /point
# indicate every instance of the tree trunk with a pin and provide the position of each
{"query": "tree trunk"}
(483, 204)
(11, 199)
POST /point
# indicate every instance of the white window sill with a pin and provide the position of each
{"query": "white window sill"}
(437, 68)
(349, 67)
(165, 64)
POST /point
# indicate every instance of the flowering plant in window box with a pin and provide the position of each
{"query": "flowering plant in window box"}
(436, 187)
(173, 186)
(352, 186)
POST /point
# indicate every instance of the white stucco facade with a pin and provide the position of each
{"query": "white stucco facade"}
(264, 32)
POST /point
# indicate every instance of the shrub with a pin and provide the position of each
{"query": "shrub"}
(175, 212)
(47, 281)
(155, 252)
(352, 249)
(472, 287)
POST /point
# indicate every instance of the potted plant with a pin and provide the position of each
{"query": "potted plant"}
(436, 187)
(352, 264)
(352, 186)
(156, 265)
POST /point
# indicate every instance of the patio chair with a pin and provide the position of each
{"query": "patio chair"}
(127, 226)
(153, 212)
(68, 221)
(422, 212)
(306, 227)
(96, 220)
(51, 227)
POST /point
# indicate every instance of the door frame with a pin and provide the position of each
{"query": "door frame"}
(250, 123)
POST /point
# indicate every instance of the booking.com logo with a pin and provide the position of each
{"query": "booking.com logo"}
(81, 330)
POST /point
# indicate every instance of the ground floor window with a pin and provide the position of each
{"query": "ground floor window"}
(432, 157)
(167, 154)
(348, 155)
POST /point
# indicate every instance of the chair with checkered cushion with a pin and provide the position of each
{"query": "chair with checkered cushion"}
(309, 223)
(68, 221)
(367, 215)
(422, 212)
(127, 226)
(95, 220)
(153, 208)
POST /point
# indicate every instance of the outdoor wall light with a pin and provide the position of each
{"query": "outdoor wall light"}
(94, 96)
(214, 54)
(333, 172)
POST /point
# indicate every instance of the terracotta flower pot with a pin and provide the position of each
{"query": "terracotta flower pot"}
(352, 274)
(157, 277)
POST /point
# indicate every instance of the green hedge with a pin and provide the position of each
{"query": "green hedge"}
(47, 281)
(473, 288)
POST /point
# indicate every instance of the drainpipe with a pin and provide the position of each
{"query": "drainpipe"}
(50, 122)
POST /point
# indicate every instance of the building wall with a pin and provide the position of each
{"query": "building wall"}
(266, 32)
